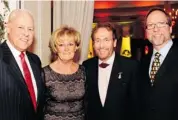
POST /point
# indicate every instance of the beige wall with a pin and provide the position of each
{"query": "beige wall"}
(41, 11)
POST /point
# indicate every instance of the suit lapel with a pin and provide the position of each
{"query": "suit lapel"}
(95, 78)
(94, 72)
(116, 69)
(94, 82)
(165, 66)
(14, 69)
(167, 63)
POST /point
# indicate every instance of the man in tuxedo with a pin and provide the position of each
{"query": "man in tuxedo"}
(111, 84)
(21, 82)
(159, 70)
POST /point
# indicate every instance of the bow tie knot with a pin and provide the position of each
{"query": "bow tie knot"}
(103, 65)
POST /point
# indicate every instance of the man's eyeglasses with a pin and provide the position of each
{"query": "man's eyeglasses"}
(158, 25)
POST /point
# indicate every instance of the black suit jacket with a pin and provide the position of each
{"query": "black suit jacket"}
(121, 99)
(160, 102)
(15, 101)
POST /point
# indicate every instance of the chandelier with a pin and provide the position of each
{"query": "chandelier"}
(173, 14)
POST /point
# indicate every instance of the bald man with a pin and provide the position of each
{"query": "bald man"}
(21, 81)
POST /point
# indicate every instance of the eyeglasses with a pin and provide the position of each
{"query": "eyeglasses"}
(158, 25)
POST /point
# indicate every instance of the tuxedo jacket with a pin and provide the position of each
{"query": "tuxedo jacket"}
(160, 101)
(15, 100)
(121, 99)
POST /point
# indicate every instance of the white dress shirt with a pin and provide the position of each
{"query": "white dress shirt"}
(103, 78)
(163, 51)
(16, 54)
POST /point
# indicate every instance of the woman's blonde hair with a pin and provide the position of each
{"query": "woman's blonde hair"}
(63, 31)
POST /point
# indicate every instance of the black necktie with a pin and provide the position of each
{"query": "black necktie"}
(103, 65)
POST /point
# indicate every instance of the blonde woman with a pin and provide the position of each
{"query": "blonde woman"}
(65, 79)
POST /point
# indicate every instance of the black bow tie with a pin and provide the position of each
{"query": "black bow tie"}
(103, 65)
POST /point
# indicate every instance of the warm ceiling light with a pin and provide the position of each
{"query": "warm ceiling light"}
(173, 14)
(145, 3)
(105, 4)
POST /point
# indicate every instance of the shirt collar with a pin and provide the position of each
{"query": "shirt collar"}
(14, 51)
(163, 51)
(110, 60)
